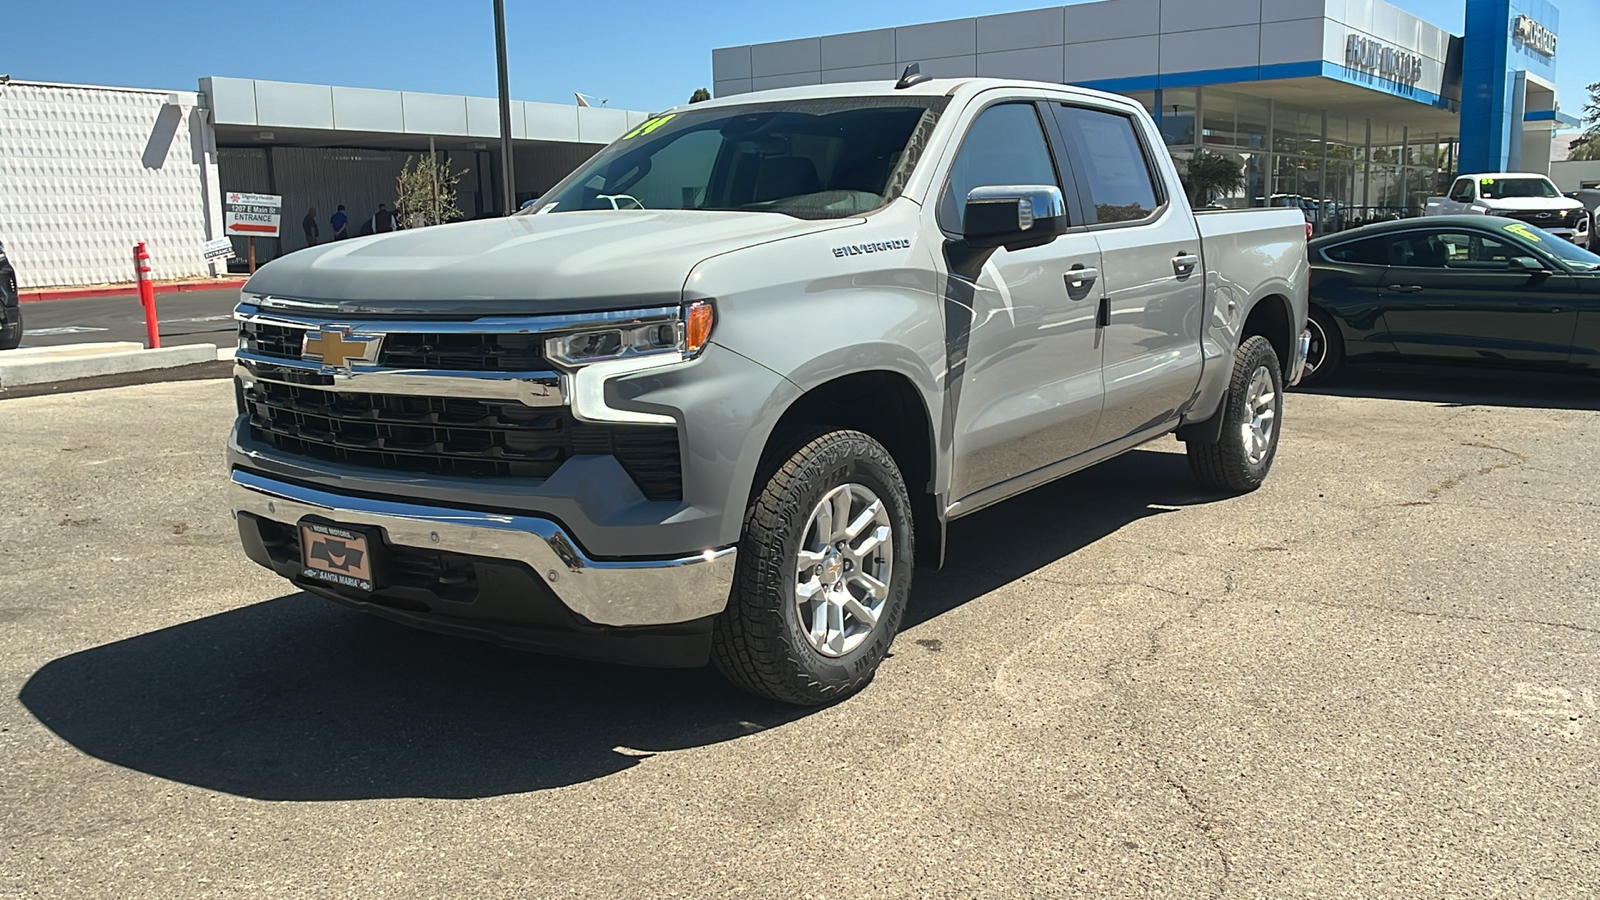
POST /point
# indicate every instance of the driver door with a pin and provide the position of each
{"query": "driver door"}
(1452, 295)
(1031, 391)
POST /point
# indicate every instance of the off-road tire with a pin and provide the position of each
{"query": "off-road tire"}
(1332, 351)
(759, 642)
(1225, 465)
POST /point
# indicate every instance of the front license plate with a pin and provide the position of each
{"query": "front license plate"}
(336, 555)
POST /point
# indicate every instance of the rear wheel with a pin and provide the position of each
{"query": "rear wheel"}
(1238, 462)
(1326, 356)
(824, 574)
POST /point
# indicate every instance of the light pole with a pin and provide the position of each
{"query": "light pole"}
(508, 190)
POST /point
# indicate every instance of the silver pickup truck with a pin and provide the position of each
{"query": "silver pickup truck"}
(725, 418)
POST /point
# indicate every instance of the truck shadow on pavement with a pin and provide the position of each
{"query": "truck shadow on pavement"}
(1452, 386)
(298, 699)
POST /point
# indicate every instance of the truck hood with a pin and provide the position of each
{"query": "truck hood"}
(1531, 204)
(524, 265)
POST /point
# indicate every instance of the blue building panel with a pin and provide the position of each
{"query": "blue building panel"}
(1494, 70)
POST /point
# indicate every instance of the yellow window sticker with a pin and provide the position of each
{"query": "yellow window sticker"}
(1523, 231)
(649, 126)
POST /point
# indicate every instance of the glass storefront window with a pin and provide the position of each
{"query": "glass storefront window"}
(1297, 131)
(1234, 120)
(1177, 116)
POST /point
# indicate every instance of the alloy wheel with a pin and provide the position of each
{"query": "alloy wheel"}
(1261, 405)
(843, 570)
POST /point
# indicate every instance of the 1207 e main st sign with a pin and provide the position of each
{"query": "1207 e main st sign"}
(1375, 58)
(251, 215)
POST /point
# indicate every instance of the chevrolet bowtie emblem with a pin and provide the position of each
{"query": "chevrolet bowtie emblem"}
(336, 348)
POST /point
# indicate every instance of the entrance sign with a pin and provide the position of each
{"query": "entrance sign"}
(1534, 36)
(221, 248)
(253, 215)
(1375, 58)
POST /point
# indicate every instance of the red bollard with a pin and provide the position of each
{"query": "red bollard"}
(147, 296)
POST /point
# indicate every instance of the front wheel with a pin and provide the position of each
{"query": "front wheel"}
(1252, 412)
(824, 574)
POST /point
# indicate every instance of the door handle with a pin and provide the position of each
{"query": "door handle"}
(1184, 263)
(1405, 288)
(1080, 277)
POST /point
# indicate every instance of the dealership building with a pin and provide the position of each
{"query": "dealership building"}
(88, 170)
(1352, 109)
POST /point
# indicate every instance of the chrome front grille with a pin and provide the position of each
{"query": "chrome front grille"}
(1549, 218)
(279, 341)
(465, 352)
(447, 436)
(474, 399)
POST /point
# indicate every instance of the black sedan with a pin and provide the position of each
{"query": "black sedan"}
(10, 309)
(1453, 289)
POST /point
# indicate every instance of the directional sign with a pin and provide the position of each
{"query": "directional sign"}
(221, 248)
(251, 215)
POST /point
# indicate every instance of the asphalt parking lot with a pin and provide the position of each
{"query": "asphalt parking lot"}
(1376, 677)
(192, 317)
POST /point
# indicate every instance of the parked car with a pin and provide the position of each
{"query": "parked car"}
(1453, 289)
(10, 308)
(727, 428)
(1590, 198)
(1530, 198)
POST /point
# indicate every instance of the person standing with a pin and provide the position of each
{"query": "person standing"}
(339, 221)
(383, 221)
(309, 226)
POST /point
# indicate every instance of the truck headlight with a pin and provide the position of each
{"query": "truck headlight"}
(683, 333)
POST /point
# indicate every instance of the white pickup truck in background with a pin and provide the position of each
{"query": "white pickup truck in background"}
(1516, 195)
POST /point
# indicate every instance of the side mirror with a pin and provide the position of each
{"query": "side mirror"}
(1529, 265)
(1013, 216)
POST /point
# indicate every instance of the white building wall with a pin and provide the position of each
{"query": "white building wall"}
(1096, 41)
(85, 172)
(1572, 175)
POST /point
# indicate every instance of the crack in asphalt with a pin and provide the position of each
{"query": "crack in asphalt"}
(1203, 818)
(1486, 620)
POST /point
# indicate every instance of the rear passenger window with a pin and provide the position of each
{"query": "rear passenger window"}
(1111, 163)
(1370, 252)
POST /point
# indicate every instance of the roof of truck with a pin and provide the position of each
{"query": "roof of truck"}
(933, 87)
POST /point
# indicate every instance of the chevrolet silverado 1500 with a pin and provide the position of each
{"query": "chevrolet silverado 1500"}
(727, 423)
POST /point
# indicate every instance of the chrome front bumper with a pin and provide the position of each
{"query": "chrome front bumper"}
(615, 593)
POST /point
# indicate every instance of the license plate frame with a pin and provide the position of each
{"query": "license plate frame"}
(342, 556)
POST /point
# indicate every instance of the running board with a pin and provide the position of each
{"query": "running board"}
(1005, 490)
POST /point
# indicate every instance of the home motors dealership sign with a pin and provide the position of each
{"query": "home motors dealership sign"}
(1534, 36)
(1375, 58)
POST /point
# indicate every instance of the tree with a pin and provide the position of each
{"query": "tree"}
(1587, 146)
(699, 95)
(1211, 173)
(425, 192)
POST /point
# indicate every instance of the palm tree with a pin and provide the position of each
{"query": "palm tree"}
(1210, 174)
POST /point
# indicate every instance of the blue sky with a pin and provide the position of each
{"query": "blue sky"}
(638, 54)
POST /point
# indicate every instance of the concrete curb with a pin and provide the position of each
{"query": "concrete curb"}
(41, 366)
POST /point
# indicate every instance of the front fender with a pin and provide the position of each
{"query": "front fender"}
(802, 309)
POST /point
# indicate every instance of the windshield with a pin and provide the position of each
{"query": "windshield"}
(1547, 244)
(812, 159)
(1500, 188)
